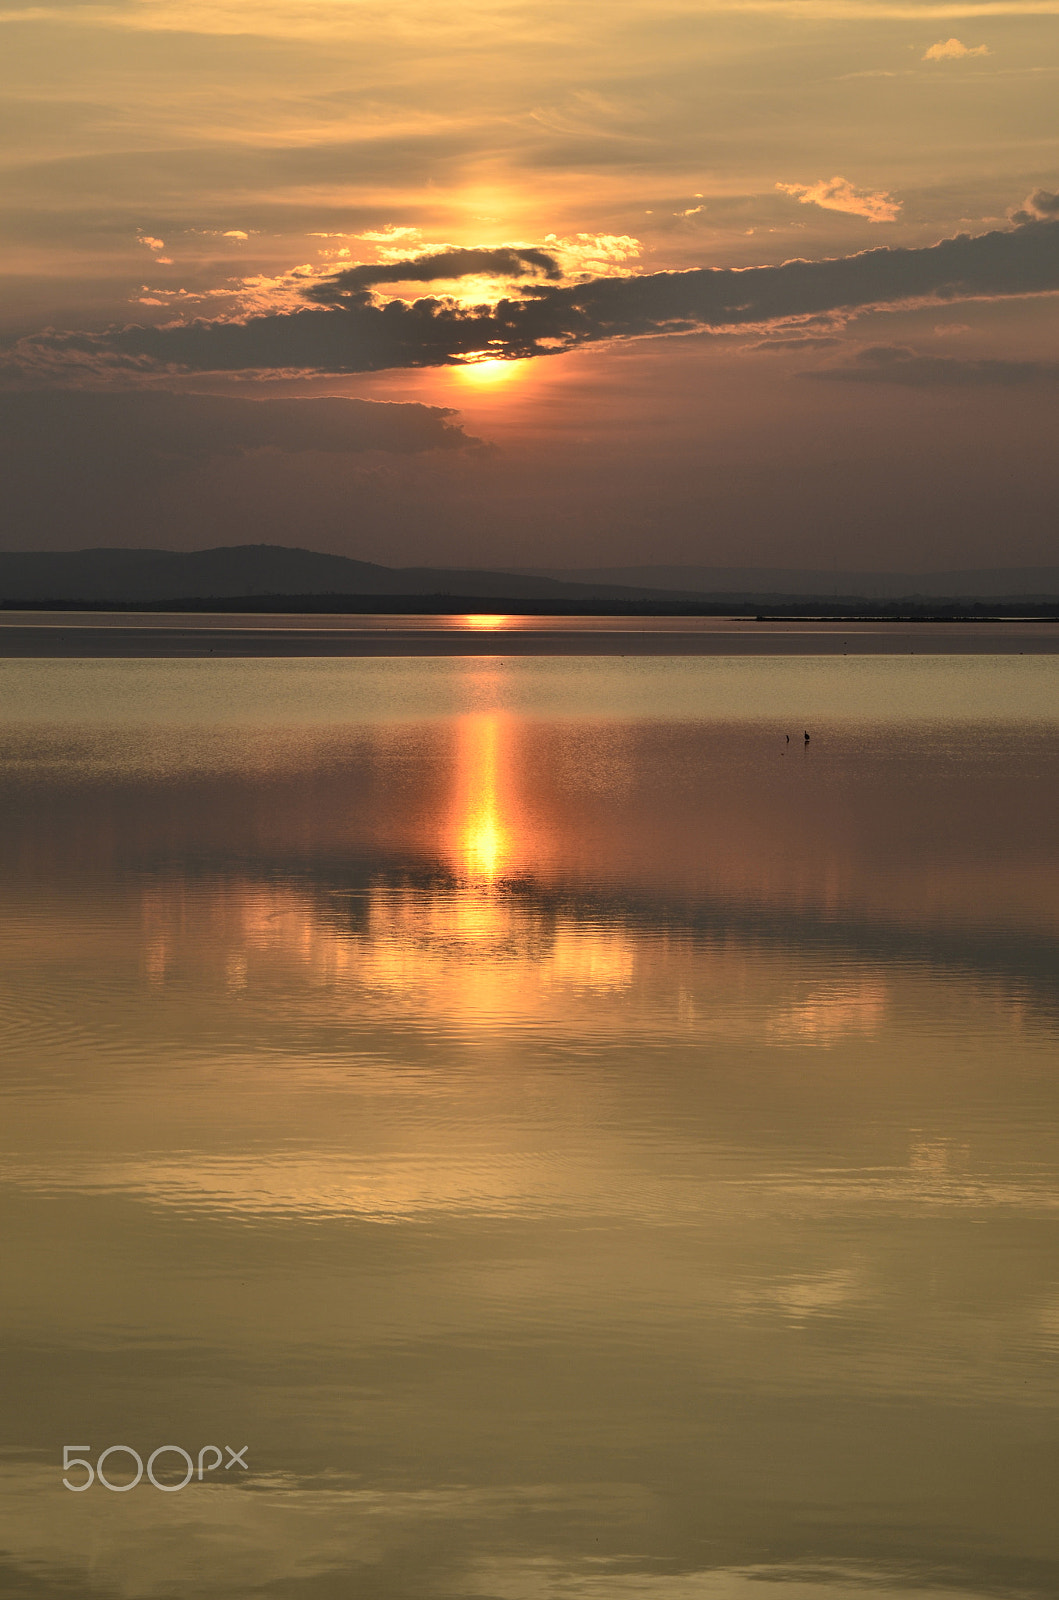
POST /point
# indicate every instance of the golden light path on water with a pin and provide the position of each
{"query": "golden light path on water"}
(484, 834)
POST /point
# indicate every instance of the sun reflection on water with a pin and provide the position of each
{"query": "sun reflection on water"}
(487, 943)
(484, 830)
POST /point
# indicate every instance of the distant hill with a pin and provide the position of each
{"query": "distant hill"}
(776, 582)
(242, 571)
(268, 573)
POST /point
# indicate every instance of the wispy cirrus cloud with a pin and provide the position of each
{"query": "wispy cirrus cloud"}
(355, 333)
(838, 194)
(898, 364)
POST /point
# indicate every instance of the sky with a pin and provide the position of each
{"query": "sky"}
(757, 283)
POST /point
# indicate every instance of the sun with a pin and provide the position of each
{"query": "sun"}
(490, 373)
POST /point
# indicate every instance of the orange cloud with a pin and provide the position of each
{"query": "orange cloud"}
(953, 50)
(838, 194)
(597, 255)
(385, 235)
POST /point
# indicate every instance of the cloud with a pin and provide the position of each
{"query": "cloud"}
(353, 283)
(784, 344)
(355, 335)
(887, 363)
(155, 245)
(385, 235)
(1040, 206)
(953, 50)
(838, 194)
(595, 255)
(115, 468)
(160, 426)
(110, 467)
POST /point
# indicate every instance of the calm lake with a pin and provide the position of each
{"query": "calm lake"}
(575, 1140)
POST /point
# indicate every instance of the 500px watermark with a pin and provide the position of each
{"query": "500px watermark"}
(97, 1474)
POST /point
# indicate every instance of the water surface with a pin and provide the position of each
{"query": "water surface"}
(585, 1143)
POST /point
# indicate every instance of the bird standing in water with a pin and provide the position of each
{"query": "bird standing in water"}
(807, 738)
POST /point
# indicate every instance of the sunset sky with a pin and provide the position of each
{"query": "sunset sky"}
(225, 221)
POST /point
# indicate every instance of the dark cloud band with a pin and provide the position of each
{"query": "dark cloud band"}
(159, 427)
(354, 282)
(358, 335)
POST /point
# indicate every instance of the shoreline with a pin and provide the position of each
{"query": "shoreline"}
(138, 635)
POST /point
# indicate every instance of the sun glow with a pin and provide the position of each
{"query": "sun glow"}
(491, 372)
(483, 620)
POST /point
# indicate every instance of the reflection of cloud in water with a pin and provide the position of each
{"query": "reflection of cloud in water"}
(444, 1171)
(583, 957)
(267, 1534)
(807, 1294)
(832, 1012)
(478, 955)
(279, 1531)
(819, 1580)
